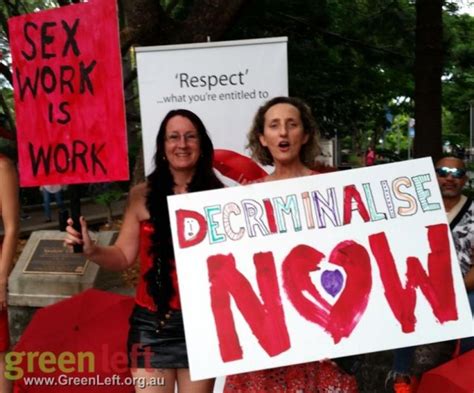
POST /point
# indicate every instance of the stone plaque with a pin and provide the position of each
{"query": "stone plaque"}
(47, 272)
(50, 256)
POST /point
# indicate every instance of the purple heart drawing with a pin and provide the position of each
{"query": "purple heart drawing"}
(332, 281)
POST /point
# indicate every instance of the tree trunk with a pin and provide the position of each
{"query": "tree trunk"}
(149, 24)
(109, 214)
(138, 174)
(428, 69)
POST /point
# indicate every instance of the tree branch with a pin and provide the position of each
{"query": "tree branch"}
(361, 44)
(344, 39)
(129, 78)
(4, 24)
(6, 111)
(5, 71)
(133, 117)
(15, 11)
(209, 18)
(131, 98)
(146, 24)
(149, 24)
(171, 6)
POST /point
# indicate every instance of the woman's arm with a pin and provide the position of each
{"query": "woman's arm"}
(10, 208)
(124, 252)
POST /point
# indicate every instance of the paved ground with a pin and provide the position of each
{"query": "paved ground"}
(33, 218)
(373, 367)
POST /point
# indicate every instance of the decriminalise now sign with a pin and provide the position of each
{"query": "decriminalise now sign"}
(323, 266)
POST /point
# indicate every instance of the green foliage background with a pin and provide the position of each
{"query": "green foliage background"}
(352, 60)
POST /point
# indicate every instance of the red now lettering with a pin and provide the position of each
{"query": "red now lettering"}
(437, 285)
(341, 318)
(266, 318)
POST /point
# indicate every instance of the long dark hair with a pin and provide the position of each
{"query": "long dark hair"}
(160, 185)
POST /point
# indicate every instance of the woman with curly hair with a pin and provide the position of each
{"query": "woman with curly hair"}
(284, 134)
(183, 163)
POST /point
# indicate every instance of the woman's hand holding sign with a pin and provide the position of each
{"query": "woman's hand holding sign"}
(83, 238)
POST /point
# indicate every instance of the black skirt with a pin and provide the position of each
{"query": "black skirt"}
(156, 344)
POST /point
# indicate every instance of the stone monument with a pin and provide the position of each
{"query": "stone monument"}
(47, 272)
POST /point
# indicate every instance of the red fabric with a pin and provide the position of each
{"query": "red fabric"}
(318, 377)
(237, 167)
(455, 376)
(76, 114)
(91, 322)
(370, 158)
(4, 332)
(142, 297)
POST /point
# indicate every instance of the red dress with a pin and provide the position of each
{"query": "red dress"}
(142, 297)
(317, 377)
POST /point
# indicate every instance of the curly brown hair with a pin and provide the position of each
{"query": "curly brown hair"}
(309, 150)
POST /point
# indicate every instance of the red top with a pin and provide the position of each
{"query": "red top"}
(142, 297)
(370, 158)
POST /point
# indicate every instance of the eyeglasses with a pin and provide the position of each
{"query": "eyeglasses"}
(445, 171)
(176, 138)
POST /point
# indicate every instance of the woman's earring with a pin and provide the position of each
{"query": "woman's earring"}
(163, 158)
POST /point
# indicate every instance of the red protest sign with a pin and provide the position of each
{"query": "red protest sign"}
(68, 95)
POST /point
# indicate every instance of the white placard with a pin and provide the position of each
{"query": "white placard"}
(323, 266)
(224, 83)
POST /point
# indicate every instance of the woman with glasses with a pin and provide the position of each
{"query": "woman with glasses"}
(183, 163)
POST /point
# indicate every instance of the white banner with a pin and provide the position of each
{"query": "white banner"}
(223, 83)
(323, 266)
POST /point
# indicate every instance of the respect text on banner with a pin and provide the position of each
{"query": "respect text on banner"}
(224, 83)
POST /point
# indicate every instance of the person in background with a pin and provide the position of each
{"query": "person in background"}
(451, 176)
(284, 134)
(48, 192)
(183, 163)
(370, 156)
(10, 213)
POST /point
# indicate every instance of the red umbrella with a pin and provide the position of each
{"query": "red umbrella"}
(237, 167)
(455, 376)
(76, 345)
